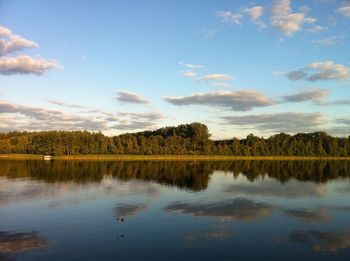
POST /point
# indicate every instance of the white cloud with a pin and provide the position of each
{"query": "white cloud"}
(216, 77)
(26, 65)
(190, 74)
(325, 70)
(16, 43)
(22, 64)
(278, 122)
(345, 11)
(283, 19)
(330, 40)
(229, 17)
(315, 29)
(315, 95)
(194, 66)
(10, 43)
(243, 100)
(5, 31)
(23, 117)
(129, 97)
(255, 14)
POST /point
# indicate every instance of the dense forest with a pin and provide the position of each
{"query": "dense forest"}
(186, 139)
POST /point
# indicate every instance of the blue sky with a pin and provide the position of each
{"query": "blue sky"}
(240, 67)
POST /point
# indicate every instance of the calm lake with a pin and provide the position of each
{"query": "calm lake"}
(251, 210)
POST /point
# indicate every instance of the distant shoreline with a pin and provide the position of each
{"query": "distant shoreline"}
(163, 157)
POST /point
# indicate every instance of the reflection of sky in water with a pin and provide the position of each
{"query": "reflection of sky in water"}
(232, 217)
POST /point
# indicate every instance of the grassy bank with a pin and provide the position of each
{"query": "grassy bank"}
(164, 157)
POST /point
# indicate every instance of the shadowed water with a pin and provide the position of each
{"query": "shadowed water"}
(155, 210)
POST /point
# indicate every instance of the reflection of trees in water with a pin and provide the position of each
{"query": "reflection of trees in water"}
(192, 175)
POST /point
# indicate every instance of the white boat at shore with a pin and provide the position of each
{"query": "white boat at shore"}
(47, 157)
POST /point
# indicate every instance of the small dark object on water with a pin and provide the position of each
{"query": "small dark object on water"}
(120, 236)
(121, 219)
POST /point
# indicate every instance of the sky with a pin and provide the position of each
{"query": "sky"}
(240, 67)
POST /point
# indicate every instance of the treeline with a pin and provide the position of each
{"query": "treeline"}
(187, 139)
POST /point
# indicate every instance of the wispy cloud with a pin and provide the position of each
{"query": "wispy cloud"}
(135, 121)
(74, 106)
(255, 14)
(130, 97)
(230, 18)
(278, 122)
(194, 66)
(344, 10)
(315, 29)
(243, 100)
(315, 95)
(190, 74)
(337, 102)
(24, 117)
(329, 41)
(325, 70)
(216, 77)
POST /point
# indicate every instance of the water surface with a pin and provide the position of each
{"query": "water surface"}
(251, 210)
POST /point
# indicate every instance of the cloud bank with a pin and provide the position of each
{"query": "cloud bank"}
(24, 117)
(278, 122)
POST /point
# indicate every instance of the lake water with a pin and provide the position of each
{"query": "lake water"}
(237, 210)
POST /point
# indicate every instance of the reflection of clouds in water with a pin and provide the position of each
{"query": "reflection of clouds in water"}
(322, 241)
(129, 209)
(343, 187)
(217, 234)
(237, 209)
(13, 242)
(341, 208)
(69, 193)
(197, 238)
(317, 215)
(291, 189)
